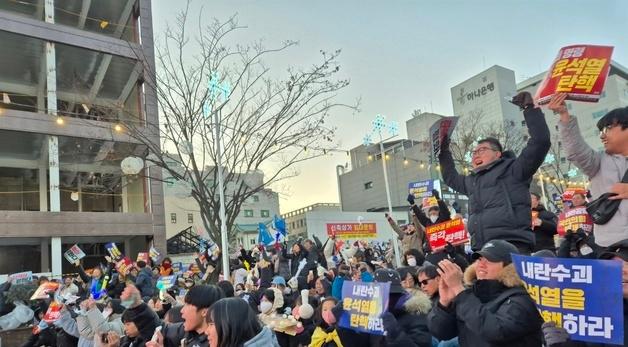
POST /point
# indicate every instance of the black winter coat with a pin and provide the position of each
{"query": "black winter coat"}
(174, 333)
(499, 197)
(546, 231)
(492, 313)
(411, 315)
(443, 214)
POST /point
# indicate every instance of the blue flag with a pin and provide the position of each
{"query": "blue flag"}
(279, 224)
(264, 236)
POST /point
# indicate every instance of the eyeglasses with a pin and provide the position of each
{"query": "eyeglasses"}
(482, 150)
(425, 282)
(605, 129)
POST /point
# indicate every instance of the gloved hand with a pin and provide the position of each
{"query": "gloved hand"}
(410, 199)
(524, 100)
(450, 250)
(337, 311)
(391, 326)
(554, 335)
(435, 194)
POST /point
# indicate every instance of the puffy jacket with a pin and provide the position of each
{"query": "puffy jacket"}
(546, 231)
(411, 312)
(603, 170)
(499, 198)
(491, 313)
(174, 333)
(265, 338)
(144, 282)
(443, 214)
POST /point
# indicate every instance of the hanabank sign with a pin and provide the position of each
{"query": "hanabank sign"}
(580, 71)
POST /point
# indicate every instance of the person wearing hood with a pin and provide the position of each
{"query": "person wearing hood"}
(166, 267)
(98, 323)
(435, 214)
(411, 236)
(405, 321)
(344, 274)
(144, 281)
(499, 183)
(494, 311)
(231, 322)
(270, 304)
(543, 224)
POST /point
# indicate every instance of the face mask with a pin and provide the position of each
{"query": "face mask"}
(127, 303)
(296, 312)
(433, 219)
(411, 261)
(265, 306)
(287, 291)
(107, 312)
(329, 317)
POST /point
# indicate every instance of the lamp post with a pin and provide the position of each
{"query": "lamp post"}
(379, 123)
(215, 90)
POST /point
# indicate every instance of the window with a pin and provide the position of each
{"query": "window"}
(368, 185)
(173, 218)
(248, 213)
(252, 242)
(523, 123)
(190, 218)
(401, 221)
(563, 160)
(255, 198)
(265, 213)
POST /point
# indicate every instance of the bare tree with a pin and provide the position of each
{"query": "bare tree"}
(266, 123)
(475, 126)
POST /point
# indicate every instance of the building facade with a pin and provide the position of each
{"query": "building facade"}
(310, 221)
(71, 73)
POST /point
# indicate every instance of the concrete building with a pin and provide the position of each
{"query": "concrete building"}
(70, 71)
(362, 186)
(182, 211)
(316, 219)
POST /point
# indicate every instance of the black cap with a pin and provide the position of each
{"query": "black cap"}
(392, 276)
(496, 251)
(617, 249)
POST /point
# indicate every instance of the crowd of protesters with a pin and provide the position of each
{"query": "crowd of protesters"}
(291, 295)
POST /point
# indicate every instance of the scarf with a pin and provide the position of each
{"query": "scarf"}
(320, 337)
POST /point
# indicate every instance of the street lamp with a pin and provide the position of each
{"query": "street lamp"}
(379, 123)
(215, 90)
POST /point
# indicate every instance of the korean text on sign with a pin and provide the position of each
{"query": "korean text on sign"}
(580, 71)
(421, 189)
(352, 230)
(363, 304)
(451, 231)
(568, 292)
(574, 219)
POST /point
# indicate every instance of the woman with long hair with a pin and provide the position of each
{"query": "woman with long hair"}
(232, 323)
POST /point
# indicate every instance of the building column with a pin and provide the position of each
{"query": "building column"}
(43, 187)
(125, 195)
(45, 255)
(53, 141)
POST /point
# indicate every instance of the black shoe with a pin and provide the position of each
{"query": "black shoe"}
(523, 100)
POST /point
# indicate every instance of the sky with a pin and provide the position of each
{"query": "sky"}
(403, 55)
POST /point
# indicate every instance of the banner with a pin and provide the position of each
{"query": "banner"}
(113, 251)
(441, 128)
(574, 219)
(363, 304)
(580, 71)
(583, 296)
(45, 289)
(142, 256)
(74, 254)
(154, 254)
(124, 265)
(177, 268)
(352, 230)
(451, 231)
(569, 193)
(54, 312)
(22, 277)
(421, 189)
(429, 202)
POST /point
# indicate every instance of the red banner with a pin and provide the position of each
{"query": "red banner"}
(569, 193)
(580, 71)
(54, 312)
(451, 231)
(143, 256)
(124, 265)
(352, 230)
(44, 290)
(574, 219)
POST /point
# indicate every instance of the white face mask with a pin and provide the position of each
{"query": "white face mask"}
(433, 219)
(412, 261)
(265, 306)
(107, 312)
(287, 291)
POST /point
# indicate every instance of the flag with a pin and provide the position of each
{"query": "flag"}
(264, 237)
(279, 224)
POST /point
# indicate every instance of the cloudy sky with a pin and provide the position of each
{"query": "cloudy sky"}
(403, 55)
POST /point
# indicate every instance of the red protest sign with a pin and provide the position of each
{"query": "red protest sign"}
(54, 312)
(44, 290)
(451, 231)
(123, 265)
(569, 193)
(352, 230)
(143, 256)
(574, 219)
(580, 71)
